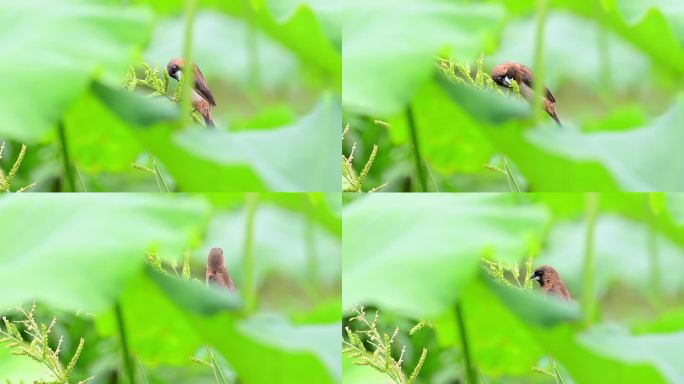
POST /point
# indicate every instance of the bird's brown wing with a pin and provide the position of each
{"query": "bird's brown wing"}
(202, 88)
(528, 79)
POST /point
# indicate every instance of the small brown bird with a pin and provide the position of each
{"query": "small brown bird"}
(217, 274)
(550, 281)
(202, 99)
(504, 73)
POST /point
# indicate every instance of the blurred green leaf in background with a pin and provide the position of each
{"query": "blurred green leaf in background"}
(272, 66)
(615, 69)
(82, 259)
(423, 261)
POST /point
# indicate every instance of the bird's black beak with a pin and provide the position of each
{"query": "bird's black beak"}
(534, 277)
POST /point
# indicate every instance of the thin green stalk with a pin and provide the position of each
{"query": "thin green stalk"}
(249, 289)
(588, 273)
(432, 181)
(471, 372)
(159, 177)
(311, 256)
(654, 259)
(556, 372)
(188, 73)
(417, 159)
(253, 55)
(80, 179)
(509, 175)
(66, 159)
(128, 361)
(542, 10)
(218, 374)
(142, 371)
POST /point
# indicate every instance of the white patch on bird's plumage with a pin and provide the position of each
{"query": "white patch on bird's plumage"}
(507, 81)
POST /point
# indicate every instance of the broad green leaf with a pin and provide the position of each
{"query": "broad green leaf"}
(390, 47)
(19, 368)
(635, 10)
(108, 146)
(134, 108)
(484, 105)
(77, 251)
(615, 152)
(675, 204)
(297, 157)
(166, 337)
(51, 50)
(261, 349)
(328, 12)
(356, 374)
(534, 308)
(194, 295)
(414, 254)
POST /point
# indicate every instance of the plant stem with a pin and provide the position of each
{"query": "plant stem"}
(432, 181)
(80, 179)
(128, 361)
(588, 296)
(557, 374)
(142, 371)
(542, 9)
(654, 259)
(188, 73)
(160, 178)
(311, 256)
(218, 374)
(249, 289)
(417, 159)
(66, 160)
(509, 175)
(471, 372)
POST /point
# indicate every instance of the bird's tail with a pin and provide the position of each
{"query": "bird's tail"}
(208, 122)
(551, 110)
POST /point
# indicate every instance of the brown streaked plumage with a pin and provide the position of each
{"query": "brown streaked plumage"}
(202, 99)
(217, 274)
(502, 75)
(550, 282)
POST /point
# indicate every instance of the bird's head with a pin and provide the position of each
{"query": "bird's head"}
(544, 274)
(215, 258)
(175, 68)
(503, 74)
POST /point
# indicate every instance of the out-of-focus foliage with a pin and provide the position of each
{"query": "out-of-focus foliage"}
(273, 67)
(79, 256)
(614, 67)
(424, 257)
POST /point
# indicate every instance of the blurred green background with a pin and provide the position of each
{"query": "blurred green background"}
(419, 257)
(274, 67)
(615, 68)
(80, 257)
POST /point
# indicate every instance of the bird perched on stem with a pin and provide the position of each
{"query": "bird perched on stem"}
(217, 274)
(202, 99)
(550, 282)
(504, 73)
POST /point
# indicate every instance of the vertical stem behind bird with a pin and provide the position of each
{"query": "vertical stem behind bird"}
(588, 278)
(248, 267)
(542, 10)
(188, 75)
